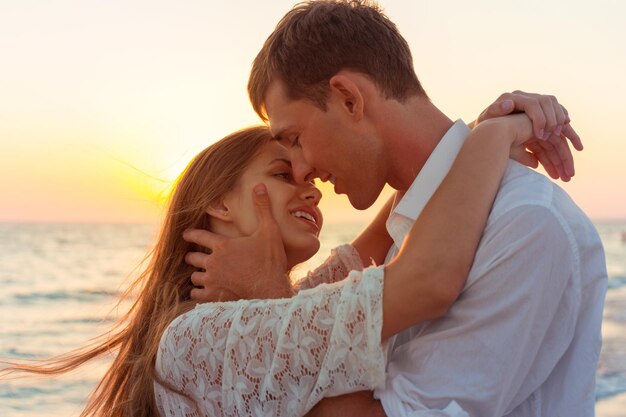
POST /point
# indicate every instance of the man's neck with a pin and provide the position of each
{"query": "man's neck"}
(411, 131)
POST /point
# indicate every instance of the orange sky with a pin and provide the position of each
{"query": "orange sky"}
(102, 103)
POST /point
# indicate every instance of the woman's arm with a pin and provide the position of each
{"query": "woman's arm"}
(429, 273)
(275, 357)
(336, 267)
(547, 116)
(370, 246)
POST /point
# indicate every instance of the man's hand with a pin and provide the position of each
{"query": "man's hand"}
(252, 267)
(551, 127)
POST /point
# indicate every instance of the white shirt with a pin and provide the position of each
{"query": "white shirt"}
(523, 339)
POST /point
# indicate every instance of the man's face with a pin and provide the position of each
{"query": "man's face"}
(328, 145)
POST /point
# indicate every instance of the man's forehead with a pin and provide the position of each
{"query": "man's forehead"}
(285, 145)
(274, 106)
(281, 140)
(280, 126)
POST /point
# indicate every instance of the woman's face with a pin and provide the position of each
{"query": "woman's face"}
(294, 206)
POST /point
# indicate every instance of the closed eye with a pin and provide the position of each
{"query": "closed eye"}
(284, 175)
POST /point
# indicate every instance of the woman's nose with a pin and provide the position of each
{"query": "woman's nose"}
(311, 194)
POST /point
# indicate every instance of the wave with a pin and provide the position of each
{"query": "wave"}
(87, 320)
(16, 392)
(617, 282)
(609, 385)
(17, 353)
(77, 295)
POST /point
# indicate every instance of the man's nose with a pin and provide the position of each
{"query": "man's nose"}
(302, 171)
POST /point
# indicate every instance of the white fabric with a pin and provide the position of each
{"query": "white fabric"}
(337, 266)
(523, 339)
(274, 357)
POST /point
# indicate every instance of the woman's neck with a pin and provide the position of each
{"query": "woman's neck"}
(228, 295)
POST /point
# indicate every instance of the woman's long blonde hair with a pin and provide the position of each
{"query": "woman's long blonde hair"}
(162, 289)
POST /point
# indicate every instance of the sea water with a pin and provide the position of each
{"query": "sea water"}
(59, 284)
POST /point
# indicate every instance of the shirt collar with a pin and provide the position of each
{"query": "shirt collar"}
(427, 181)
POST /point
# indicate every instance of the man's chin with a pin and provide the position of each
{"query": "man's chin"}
(361, 203)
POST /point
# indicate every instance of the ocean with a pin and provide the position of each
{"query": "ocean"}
(60, 283)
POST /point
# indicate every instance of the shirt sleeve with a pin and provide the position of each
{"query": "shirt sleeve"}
(274, 357)
(509, 328)
(337, 266)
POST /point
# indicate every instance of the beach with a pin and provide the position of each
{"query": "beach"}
(612, 407)
(612, 368)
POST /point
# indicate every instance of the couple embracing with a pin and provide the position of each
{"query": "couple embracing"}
(488, 283)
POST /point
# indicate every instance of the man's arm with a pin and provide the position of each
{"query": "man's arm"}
(245, 268)
(374, 241)
(360, 404)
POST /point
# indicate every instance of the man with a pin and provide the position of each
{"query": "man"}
(336, 82)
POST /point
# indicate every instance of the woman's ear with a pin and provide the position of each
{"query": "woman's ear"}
(347, 92)
(220, 211)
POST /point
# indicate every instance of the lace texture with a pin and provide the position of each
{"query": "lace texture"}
(274, 357)
(337, 266)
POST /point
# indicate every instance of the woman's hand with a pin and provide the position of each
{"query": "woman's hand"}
(517, 129)
(553, 153)
(551, 131)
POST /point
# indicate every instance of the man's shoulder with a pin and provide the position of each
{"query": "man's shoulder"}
(524, 187)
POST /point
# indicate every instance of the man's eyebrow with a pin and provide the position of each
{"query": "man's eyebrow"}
(279, 135)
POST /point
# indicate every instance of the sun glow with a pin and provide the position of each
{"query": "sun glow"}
(96, 124)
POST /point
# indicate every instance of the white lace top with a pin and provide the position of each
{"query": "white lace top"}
(277, 357)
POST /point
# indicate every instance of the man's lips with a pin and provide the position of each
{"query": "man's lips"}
(328, 177)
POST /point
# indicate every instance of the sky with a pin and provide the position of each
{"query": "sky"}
(103, 103)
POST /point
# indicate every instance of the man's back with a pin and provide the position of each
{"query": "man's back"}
(523, 339)
(569, 384)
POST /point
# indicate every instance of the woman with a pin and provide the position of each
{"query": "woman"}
(321, 342)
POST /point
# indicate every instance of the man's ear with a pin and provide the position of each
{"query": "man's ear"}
(344, 89)
(220, 211)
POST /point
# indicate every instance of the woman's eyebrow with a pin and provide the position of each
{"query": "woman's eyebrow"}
(283, 160)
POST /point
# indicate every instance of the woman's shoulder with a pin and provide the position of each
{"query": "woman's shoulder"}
(215, 315)
(204, 313)
(188, 335)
